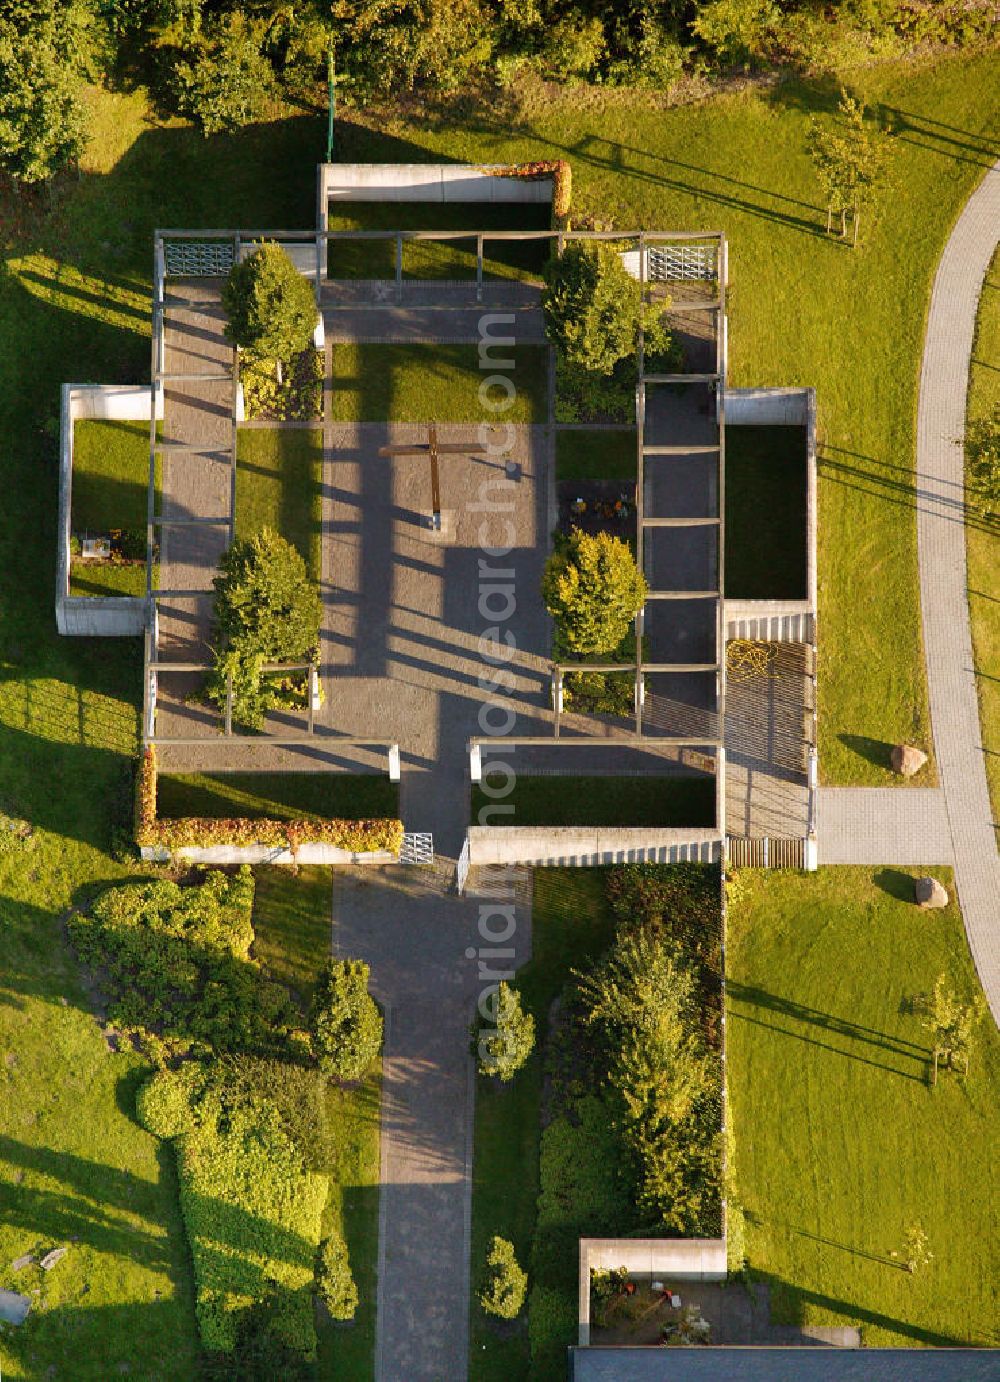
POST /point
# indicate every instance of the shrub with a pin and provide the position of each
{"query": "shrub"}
(737, 30)
(982, 447)
(176, 962)
(593, 589)
(344, 1020)
(504, 1284)
(270, 305)
(164, 1103)
(335, 1284)
(503, 1045)
(593, 308)
(266, 610)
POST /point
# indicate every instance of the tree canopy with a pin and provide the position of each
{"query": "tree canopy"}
(593, 590)
(45, 50)
(344, 1020)
(593, 308)
(266, 610)
(270, 306)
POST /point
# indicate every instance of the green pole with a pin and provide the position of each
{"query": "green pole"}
(331, 104)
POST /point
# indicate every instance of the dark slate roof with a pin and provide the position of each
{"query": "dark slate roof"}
(812, 1364)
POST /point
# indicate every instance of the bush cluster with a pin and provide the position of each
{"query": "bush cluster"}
(344, 1021)
(504, 1283)
(252, 1209)
(334, 1281)
(176, 964)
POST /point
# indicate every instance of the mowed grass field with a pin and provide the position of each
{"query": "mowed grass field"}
(841, 1142)
(74, 302)
(803, 309)
(983, 539)
(279, 485)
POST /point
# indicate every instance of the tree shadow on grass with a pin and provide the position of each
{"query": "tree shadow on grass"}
(872, 1037)
(876, 751)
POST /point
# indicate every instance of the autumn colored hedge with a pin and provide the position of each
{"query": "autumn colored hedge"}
(202, 832)
(559, 170)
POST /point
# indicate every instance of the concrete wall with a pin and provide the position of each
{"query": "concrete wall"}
(771, 621)
(583, 847)
(82, 615)
(424, 182)
(669, 1259)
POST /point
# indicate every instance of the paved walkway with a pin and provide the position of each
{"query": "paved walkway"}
(943, 585)
(883, 825)
(423, 947)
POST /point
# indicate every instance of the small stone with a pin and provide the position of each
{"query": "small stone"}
(907, 759)
(20, 1263)
(929, 893)
(51, 1258)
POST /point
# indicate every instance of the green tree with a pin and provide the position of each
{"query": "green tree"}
(270, 306)
(335, 1283)
(916, 1249)
(850, 159)
(982, 449)
(593, 308)
(504, 1044)
(737, 30)
(952, 1025)
(45, 51)
(344, 1020)
(266, 610)
(504, 1283)
(593, 590)
(226, 81)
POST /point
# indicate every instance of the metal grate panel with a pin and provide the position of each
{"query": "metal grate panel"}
(198, 258)
(418, 848)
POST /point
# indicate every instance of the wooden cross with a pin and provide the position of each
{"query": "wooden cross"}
(433, 448)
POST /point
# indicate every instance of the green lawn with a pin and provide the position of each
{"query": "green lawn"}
(279, 485)
(570, 925)
(431, 383)
(107, 578)
(74, 303)
(803, 309)
(110, 475)
(983, 539)
(841, 1143)
(292, 925)
(110, 489)
(606, 453)
(654, 802)
(280, 796)
(442, 259)
(766, 485)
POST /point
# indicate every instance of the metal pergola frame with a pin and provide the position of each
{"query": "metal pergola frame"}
(643, 241)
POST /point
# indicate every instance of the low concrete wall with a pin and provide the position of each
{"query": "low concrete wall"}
(267, 854)
(771, 621)
(767, 407)
(672, 1259)
(576, 846)
(424, 182)
(120, 616)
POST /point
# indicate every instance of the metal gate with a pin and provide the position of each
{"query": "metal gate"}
(418, 848)
(462, 868)
(766, 853)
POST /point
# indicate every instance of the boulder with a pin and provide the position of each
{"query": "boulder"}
(907, 759)
(928, 893)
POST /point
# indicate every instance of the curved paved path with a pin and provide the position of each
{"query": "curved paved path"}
(943, 587)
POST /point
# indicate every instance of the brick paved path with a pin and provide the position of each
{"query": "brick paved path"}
(943, 585)
(883, 825)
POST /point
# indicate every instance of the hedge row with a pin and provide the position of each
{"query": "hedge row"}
(251, 1208)
(202, 832)
(559, 170)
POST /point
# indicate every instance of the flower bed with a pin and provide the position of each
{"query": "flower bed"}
(201, 832)
(298, 398)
